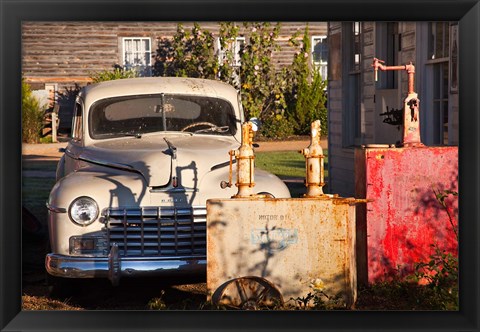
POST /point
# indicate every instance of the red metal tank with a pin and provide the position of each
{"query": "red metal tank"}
(404, 218)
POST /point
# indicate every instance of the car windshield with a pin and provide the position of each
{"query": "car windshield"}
(137, 115)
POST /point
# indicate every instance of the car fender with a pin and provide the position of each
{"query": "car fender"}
(265, 182)
(107, 187)
(60, 171)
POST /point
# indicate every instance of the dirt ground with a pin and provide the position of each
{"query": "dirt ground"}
(43, 151)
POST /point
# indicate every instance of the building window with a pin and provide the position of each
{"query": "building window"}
(438, 60)
(238, 46)
(440, 103)
(234, 59)
(320, 54)
(137, 55)
(356, 33)
(387, 49)
(438, 40)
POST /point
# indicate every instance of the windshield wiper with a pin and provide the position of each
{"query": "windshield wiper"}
(136, 135)
(216, 129)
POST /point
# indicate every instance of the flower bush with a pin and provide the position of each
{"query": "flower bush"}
(260, 85)
(191, 53)
(318, 298)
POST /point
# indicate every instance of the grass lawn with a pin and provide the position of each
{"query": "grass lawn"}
(289, 166)
(35, 189)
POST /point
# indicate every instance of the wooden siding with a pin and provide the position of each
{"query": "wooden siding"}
(368, 87)
(340, 159)
(67, 53)
(76, 49)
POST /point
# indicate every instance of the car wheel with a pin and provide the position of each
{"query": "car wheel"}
(62, 288)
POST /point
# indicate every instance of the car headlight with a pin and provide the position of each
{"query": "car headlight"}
(83, 211)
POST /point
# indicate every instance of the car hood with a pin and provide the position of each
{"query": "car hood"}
(152, 157)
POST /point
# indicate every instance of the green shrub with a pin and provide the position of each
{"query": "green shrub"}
(46, 139)
(276, 126)
(310, 105)
(441, 275)
(306, 97)
(32, 116)
(191, 53)
(115, 74)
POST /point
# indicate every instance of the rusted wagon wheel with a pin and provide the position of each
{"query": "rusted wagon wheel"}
(248, 293)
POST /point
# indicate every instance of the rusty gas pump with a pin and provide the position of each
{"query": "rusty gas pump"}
(245, 163)
(411, 116)
(314, 180)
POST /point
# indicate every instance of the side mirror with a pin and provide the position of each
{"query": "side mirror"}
(256, 124)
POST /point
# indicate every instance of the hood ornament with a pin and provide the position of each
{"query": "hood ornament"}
(173, 151)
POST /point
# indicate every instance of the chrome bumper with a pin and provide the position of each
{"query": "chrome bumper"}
(114, 267)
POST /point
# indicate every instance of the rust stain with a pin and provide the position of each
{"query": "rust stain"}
(322, 238)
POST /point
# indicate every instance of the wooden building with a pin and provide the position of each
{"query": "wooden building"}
(362, 111)
(59, 57)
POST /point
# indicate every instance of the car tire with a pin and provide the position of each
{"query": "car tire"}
(62, 288)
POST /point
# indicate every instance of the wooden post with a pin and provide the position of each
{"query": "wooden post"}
(54, 127)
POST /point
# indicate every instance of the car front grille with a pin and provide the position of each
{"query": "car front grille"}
(157, 231)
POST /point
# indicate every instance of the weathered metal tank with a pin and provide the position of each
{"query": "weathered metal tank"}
(404, 219)
(265, 251)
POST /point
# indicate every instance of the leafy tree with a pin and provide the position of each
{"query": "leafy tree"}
(261, 87)
(191, 54)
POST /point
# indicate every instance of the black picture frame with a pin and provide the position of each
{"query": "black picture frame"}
(13, 13)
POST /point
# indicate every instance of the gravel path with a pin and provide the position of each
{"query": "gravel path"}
(42, 151)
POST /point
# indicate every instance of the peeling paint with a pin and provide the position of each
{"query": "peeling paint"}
(404, 218)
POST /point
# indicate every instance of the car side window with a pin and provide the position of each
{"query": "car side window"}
(77, 125)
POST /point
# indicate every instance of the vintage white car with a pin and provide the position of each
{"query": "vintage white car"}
(131, 190)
